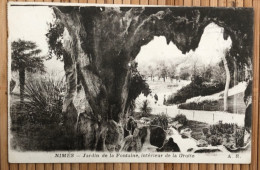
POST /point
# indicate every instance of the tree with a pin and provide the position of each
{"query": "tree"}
(91, 59)
(25, 58)
(207, 73)
(218, 75)
(54, 39)
(151, 71)
(185, 73)
(145, 108)
(227, 79)
(163, 70)
(172, 72)
(184, 76)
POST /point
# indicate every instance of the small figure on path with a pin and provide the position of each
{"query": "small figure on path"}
(156, 98)
(164, 100)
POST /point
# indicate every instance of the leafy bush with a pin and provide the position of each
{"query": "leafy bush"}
(205, 131)
(221, 128)
(185, 76)
(182, 119)
(137, 86)
(160, 120)
(38, 124)
(197, 87)
(44, 100)
(204, 105)
(239, 136)
(145, 108)
(215, 140)
(225, 134)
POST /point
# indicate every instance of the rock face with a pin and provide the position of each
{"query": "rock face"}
(86, 132)
(169, 146)
(177, 125)
(99, 43)
(186, 132)
(12, 85)
(157, 136)
(109, 133)
(202, 143)
(135, 142)
(130, 127)
(145, 135)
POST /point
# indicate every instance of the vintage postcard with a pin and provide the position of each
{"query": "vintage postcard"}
(116, 83)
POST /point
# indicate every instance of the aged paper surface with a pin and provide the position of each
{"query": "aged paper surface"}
(116, 83)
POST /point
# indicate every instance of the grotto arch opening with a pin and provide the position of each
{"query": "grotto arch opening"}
(103, 70)
(159, 61)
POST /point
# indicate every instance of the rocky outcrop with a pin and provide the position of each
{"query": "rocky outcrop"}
(186, 133)
(144, 136)
(130, 126)
(108, 133)
(12, 85)
(176, 125)
(99, 43)
(202, 143)
(157, 136)
(169, 146)
(135, 142)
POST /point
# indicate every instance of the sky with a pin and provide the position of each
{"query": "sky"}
(209, 51)
(30, 23)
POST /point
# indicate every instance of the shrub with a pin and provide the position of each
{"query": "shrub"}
(197, 87)
(182, 119)
(44, 100)
(137, 86)
(227, 134)
(38, 124)
(145, 108)
(205, 131)
(160, 120)
(221, 128)
(239, 136)
(185, 76)
(215, 140)
(204, 105)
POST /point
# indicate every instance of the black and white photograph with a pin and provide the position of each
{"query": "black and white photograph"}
(129, 83)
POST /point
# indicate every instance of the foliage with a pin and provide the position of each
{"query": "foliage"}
(145, 108)
(54, 39)
(172, 71)
(207, 74)
(239, 136)
(151, 71)
(215, 140)
(197, 87)
(221, 128)
(44, 100)
(181, 118)
(160, 120)
(205, 131)
(208, 105)
(25, 56)
(137, 86)
(184, 76)
(224, 134)
(218, 73)
(39, 124)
